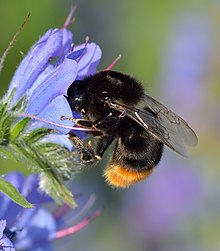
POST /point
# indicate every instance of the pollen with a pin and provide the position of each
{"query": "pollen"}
(122, 177)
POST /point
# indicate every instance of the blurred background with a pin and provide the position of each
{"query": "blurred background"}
(174, 48)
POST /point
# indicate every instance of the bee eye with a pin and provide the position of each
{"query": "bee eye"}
(77, 99)
(105, 96)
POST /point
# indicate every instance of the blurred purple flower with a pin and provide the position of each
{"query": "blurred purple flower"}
(5, 243)
(185, 64)
(47, 71)
(37, 228)
(165, 203)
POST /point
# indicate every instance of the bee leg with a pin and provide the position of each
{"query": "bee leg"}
(86, 151)
(106, 125)
(79, 122)
(103, 144)
(104, 141)
(84, 123)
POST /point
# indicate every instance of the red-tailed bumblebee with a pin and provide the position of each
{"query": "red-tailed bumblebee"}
(115, 105)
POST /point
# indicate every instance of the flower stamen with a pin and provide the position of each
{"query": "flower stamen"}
(17, 114)
(86, 42)
(77, 227)
(70, 19)
(113, 63)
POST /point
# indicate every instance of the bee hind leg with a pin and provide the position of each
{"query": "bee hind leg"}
(103, 143)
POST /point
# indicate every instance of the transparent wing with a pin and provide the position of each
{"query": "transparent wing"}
(163, 124)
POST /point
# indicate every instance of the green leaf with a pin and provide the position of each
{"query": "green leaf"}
(35, 135)
(17, 129)
(21, 143)
(54, 186)
(20, 105)
(7, 154)
(53, 162)
(9, 99)
(8, 189)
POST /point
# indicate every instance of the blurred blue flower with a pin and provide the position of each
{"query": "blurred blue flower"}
(5, 243)
(185, 64)
(36, 228)
(165, 205)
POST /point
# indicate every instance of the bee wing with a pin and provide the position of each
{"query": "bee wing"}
(166, 126)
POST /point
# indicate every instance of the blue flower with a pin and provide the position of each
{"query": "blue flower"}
(36, 228)
(5, 243)
(38, 90)
(47, 71)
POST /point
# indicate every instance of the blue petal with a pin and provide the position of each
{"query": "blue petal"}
(60, 139)
(67, 41)
(76, 53)
(9, 208)
(88, 60)
(6, 244)
(39, 228)
(52, 112)
(30, 191)
(2, 227)
(67, 46)
(28, 188)
(49, 46)
(13, 209)
(44, 75)
(54, 85)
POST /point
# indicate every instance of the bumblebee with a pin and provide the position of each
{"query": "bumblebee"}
(116, 108)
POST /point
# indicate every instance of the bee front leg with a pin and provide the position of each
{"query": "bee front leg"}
(79, 122)
(86, 151)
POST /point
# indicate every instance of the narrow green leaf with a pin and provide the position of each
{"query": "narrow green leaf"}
(9, 99)
(36, 135)
(8, 189)
(57, 190)
(18, 128)
(7, 154)
(2, 109)
(20, 105)
(5, 124)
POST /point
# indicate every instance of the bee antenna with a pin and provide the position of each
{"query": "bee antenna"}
(13, 41)
(113, 63)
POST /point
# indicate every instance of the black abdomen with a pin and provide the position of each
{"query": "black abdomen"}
(138, 152)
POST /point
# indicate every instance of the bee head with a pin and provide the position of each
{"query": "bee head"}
(75, 94)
